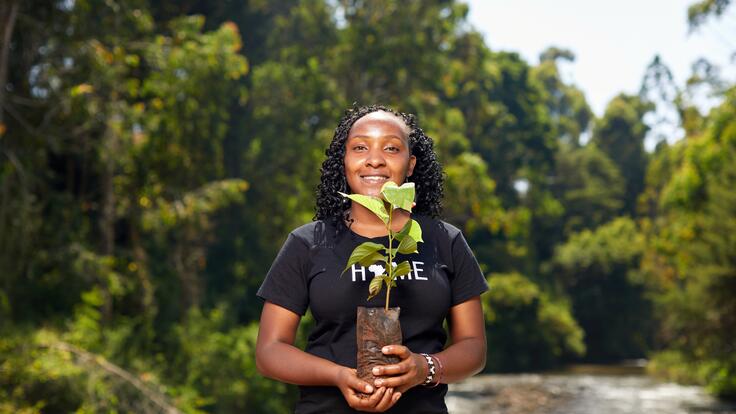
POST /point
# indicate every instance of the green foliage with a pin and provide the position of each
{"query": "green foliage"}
(690, 262)
(141, 143)
(375, 205)
(504, 114)
(215, 368)
(399, 197)
(620, 135)
(366, 254)
(162, 214)
(42, 373)
(527, 327)
(568, 110)
(676, 365)
(607, 300)
(613, 243)
(700, 11)
(473, 190)
(589, 186)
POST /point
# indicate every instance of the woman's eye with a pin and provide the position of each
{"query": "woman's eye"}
(392, 149)
(359, 147)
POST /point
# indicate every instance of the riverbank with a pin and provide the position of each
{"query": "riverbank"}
(581, 390)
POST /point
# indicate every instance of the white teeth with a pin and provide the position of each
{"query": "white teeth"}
(374, 178)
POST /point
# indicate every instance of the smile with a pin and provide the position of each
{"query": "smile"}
(374, 179)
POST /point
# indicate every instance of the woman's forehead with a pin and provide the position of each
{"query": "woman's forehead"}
(385, 122)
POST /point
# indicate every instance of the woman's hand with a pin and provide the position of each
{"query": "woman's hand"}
(380, 399)
(411, 371)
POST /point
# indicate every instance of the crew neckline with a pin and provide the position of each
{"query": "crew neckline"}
(412, 216)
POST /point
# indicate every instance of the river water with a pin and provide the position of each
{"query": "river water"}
(581, 390)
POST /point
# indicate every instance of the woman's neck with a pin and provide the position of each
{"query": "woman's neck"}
(366, 223)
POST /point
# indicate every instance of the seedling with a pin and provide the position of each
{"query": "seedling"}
(368, 253)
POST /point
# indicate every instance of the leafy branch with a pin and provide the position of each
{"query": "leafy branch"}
(369, 253)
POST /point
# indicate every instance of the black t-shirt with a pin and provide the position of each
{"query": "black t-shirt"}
(306, 274)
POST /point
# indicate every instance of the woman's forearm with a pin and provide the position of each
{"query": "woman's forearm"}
(462, 359)
(287, 363)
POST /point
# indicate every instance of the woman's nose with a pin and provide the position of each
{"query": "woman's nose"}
(375, 159)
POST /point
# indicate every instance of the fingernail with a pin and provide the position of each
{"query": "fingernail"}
(379, 383)
(385, 349)
(376, 371)
(397, 396)
(368, 388)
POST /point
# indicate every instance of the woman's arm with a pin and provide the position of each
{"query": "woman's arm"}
(279, 359)
(465, 357)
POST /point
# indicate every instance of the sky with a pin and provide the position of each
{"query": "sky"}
(613, 41)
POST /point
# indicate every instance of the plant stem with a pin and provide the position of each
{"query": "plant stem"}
(388, 294)
(390, 264)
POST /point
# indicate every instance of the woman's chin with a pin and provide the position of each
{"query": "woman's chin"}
(371, 193)
(373, 190)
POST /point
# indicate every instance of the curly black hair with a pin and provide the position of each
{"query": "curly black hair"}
(427, 175)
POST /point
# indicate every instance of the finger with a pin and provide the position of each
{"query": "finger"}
(398, 350)
(365, 404)
(359, 385)
(396, 382)
(375, 398)
(394, 369)
(386, 401)
(353, 399)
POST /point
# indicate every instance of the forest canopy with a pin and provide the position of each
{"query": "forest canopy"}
(154, 155)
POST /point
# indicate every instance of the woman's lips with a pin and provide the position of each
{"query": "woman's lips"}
(374, 179)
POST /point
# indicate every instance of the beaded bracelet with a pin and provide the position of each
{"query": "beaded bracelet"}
(441, 371)
(431, 369)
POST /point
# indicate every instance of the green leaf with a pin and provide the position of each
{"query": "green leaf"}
(401, 197)
(412, 229)
(373, 204)
(408, 245)
(373, 258)
(402, 269)
(375, 287)
(362, 252)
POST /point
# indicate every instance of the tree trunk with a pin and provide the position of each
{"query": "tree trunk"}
(110, 148)
(188, 255)
(8, 15)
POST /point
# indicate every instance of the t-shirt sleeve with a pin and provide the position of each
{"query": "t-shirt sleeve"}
(468, 280)
(286, 282)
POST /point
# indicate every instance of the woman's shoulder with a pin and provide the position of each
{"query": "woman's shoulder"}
(436, 226)
(315, 232)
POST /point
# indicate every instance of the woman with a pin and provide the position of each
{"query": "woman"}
(373, 145)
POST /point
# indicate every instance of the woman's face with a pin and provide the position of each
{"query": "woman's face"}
(377, 151)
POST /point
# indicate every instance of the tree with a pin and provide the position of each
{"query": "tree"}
(568, 110)
(607, 299)
(504, 114)
(689, 261)
(620, 135)
(394, 53)
(529, 330)
(589, 186)
(699, 12)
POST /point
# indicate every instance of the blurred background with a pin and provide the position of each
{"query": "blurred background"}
(155, 154)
